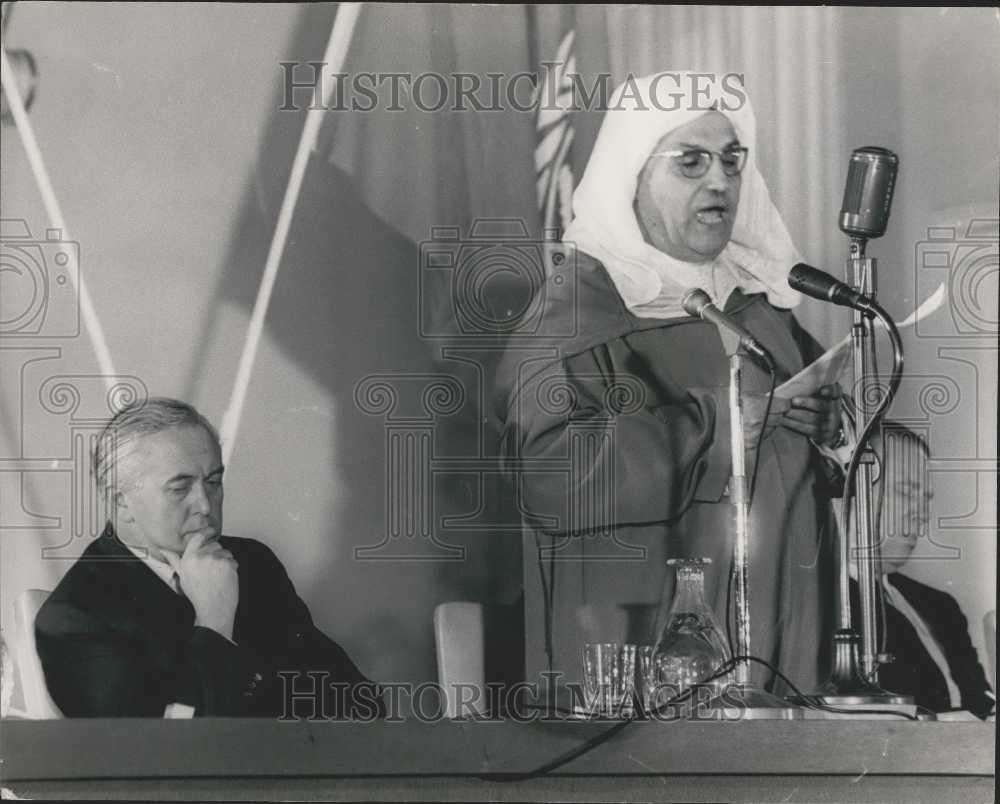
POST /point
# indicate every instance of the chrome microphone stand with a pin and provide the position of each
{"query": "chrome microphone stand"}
(867, 552)
(852, 681)
(864, 214)
(756, 703)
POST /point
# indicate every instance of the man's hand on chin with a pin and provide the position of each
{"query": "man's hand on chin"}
(208, 577)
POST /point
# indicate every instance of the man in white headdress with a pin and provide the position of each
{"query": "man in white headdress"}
(620, 442)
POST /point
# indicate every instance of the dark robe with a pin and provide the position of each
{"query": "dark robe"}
(116, 641)
(616, 437)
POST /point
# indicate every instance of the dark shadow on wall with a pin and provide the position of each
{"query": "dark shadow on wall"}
(241, 272)
(344, 307)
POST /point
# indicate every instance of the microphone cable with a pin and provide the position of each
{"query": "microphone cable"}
(760, 436)
(866, 432)
(884, 402)
(548, 591)
(664, 708)
(850, 432)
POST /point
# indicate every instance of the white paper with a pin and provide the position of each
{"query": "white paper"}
(824, 370)
(828, 367)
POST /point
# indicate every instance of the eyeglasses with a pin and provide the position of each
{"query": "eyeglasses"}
(695, 162)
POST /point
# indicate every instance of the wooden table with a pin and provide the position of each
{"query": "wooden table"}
(858, 760)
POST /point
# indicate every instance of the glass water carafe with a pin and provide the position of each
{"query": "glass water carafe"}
(691, 646)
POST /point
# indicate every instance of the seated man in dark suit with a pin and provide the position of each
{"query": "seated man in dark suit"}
(925, 630)
(162, 610)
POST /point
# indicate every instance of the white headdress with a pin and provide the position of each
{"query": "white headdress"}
(641, 111)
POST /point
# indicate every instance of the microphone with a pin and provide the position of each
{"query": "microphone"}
(820, 285)
(871, 178)
(696, 302)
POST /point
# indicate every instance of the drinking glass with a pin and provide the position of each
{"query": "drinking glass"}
(608, 678)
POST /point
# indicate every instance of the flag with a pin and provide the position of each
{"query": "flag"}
(363, 327)
(568, 49)
(554, 134)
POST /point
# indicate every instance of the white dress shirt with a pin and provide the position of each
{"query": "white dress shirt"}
(162, 569)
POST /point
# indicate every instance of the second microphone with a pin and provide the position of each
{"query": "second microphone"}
(696, 302)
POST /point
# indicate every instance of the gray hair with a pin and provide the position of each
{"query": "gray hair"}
(133, 422)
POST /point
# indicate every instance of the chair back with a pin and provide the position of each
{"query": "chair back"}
(458, 636)
(38, 704)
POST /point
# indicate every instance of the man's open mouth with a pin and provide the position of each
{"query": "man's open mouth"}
(711, 215)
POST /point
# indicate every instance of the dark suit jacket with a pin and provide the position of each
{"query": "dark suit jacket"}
(914, 672)
(115, 640)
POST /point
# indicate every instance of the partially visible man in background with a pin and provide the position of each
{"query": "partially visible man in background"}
(924, 629)
(163, 609)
